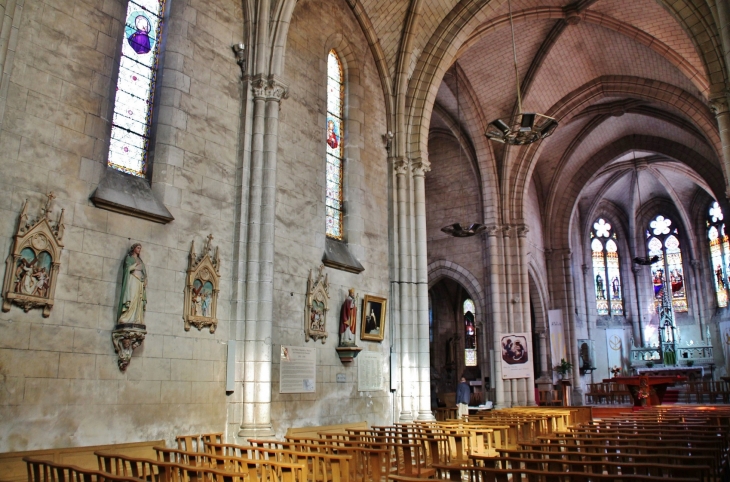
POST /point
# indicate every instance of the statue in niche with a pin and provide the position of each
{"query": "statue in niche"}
(202, 287)
(32, 267)
(348, 319)
(130, 330)
(317, 305)
(133, 300)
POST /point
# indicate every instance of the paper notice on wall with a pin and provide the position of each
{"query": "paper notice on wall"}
(297, 369)
(615, 347)
(516, 355)
(369, 372)
(725, 341)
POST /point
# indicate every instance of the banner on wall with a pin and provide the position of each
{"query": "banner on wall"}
(725, 340)
(557, 337)
(516, 349)
(615, 347)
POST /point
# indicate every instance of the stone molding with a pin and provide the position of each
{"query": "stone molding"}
(400, 165)
(492, 230)
(719, 105)
(420, 167)
(522, 230)
(130, 195)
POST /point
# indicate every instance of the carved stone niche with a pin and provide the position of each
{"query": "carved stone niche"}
(201, 288)
(31, 269)
(317, 305)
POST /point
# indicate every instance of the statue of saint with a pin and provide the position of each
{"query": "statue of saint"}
(348, 319)
(133, 300)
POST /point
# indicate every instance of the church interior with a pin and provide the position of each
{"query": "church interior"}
(243, 217)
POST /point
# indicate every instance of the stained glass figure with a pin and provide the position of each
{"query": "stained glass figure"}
(470, 334)
(132, 119)
(334, 148)
(718, 252)
(668, 270)
(606, 270)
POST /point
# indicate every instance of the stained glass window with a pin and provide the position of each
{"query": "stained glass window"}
(470, 334)
(135, 91)
(718, 252)
(663, 242)
(606, 269)
(335, 101)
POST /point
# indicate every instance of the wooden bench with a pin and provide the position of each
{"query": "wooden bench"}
(40, 470)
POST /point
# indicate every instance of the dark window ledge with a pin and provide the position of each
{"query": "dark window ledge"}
(338, 256)
(131, 195)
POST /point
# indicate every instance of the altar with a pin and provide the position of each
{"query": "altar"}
(692, 373)
(650, 389)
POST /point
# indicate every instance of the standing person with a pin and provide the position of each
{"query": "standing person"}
(463, 395)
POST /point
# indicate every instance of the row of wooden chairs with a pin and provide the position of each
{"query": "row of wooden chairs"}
(608, 393)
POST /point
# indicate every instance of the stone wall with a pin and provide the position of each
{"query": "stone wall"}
(317, 27)
(60, 381)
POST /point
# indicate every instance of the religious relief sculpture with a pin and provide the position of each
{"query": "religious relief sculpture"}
(32, 267)
(130, 330)
(201, 288)
(317, 305)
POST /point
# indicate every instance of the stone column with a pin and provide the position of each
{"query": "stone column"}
(420, 168)
(406, 328)
(495, 297)
(268, 93)
(10, 15)
(698, 293)
(522, 231)
(570, 340)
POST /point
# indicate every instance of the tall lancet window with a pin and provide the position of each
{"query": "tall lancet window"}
(470, 334)
(662, 240)
(719, 252)
(606, 270)
(335, 101)
(133, 101)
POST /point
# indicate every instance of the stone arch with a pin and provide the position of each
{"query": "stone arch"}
(610, 86)
(447, 269)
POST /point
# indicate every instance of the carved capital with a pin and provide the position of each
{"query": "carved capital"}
(269, 88)
(420, 167)
(400, 164)
(507, 231)
(719, 105)
(522, 230)
(492, 230)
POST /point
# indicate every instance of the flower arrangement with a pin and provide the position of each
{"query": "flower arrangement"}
(616, 371)
(643, 393)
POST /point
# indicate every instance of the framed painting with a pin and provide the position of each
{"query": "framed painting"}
(372, 325)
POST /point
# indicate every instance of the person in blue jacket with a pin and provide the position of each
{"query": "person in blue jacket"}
(463, 395)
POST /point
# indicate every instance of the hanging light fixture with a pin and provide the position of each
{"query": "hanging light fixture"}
(458, 230)
(642, 260)
(526, 127)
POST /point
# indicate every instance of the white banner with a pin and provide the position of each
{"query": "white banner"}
(557, 339)
(616, 348)
(516, 350)
(725, 340)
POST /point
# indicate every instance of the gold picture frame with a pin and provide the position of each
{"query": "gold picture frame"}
(372, 323)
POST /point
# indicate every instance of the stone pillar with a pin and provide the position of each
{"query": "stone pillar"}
(406, 327)
(268, 93)
(10, 15)
(698, 293)
(570, 340)
(522, 231)
(420, 168)
(497, 314)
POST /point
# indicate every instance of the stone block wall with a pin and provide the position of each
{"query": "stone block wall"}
(317, 27)
(60, 385)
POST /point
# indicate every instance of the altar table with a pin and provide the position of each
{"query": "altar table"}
(656, 385)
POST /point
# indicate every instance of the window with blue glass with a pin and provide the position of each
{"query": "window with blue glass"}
(606, 269)
(719, 252)
(662, 241)
(134, 97)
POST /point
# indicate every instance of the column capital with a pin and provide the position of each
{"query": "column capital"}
(506, 230)
(492, 230)
(522, 230)
(400, 165)
(269, 88)
(719, 105)
(420, 166)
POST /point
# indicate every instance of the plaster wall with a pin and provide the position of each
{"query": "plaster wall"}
(59, 384)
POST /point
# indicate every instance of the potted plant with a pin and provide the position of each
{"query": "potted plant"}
(649, 364)
(690, 363)
(563, 369)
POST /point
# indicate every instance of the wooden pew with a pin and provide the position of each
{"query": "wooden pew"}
(40, 470)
